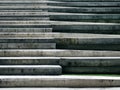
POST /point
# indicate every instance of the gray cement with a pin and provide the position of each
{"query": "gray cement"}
(30, 70)
(9, 30)
(86, 0)
(29, 60)
(59, 81)
(93, 70)
(57, 53)
(34, 45)
(50, 88)
(90, 61)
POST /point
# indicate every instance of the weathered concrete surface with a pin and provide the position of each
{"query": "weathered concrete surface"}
(89, 70)
(57, 53)
(59, 81)
(64, 9)
(81, 16)
(57, 3)
(89, 43)
(114, 88)
(90, 61)
(65, 40)
(22, 18)
(62, 16)
(54, 35)
(40, 14)
(29, 60)
(25, 30)
(24, 45)
(85, 4)
(30, 70)
(62, 26)
(86, 0)
(26, 40)
(63, 61)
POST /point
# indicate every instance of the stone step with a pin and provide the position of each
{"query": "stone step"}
(107, 88)
(30, 70)
(27, 43)
(86, 27)
(57, 3)
(89, 62)
(62, 26)
(85, 4)
(63, 61)
(56, 53)
(89, 70)
(59, 81)
(61, 0)
(9, 30)
(64, 9)
(63, 41)
(29, 61)
(57, 16)
(81, 16)
(88, 43)
(86, 0)
(25, 1)
(54, 35)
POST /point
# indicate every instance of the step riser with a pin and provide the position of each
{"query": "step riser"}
(25, 29)
(23, 18)
(58, 53)
(101, 18)
(85, 17)
(86, 10)
(90, 47)
(93, 70)
(25, 26)
(90, 62)
(104, 29)
(30, 70)
(30, 61)
(65, 62)
(85, 4)
(27, 45)
(24, 40)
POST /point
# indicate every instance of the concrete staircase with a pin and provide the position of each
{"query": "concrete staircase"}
(58, 37)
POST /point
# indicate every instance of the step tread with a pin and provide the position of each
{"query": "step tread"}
(60, 81)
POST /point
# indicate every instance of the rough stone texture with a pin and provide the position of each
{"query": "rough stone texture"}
(117, 88)
(28, 45)
(90, 61)
(29, 61)
(85, 4)
(93, 70)
(26, 40)
(30, 70)
(59, 81)
(87, 0)
(89, 43)
(25, 30)
(57, 35)
(57, 53)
